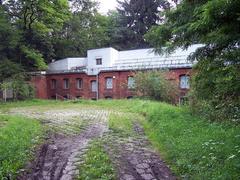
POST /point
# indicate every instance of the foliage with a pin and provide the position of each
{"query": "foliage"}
(154, 85)
(34, 21)
(216, 25)
(97, 164)
(86, 29)
(8, 69)
(135, 18)
(18, 136)
(8, 36)
(13, 77)
(35, 58)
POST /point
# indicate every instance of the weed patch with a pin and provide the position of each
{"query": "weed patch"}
(97, 164)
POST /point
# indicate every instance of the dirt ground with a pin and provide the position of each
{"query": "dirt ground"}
(71, 132)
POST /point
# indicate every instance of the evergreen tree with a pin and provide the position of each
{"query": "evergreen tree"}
(136, 17)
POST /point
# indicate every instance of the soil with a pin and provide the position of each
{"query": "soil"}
(59, 158)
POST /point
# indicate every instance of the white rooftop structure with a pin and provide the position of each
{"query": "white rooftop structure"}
(109, 59)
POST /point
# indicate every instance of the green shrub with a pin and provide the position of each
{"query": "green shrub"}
(215, 90)
(154, 85)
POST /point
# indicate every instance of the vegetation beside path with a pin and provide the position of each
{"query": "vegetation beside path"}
(18, 138)
(192, 146)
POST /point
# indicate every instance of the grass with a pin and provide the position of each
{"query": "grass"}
(97, 164)
(121, 124)
(18, 136)
(194, 148)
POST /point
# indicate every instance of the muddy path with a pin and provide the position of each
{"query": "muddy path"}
(134, 157)
(60, 157)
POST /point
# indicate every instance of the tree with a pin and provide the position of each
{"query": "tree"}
(86, 29)
(136, 17)
(9, 37)
(36, 20)
(216, 25)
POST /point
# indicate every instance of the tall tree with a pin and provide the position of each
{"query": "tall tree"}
(216, 25)
(86, 29)
(36, 20)
(136, 18)
(9, 37)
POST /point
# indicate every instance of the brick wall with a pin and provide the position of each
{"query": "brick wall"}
(40, 84)
(120, 90)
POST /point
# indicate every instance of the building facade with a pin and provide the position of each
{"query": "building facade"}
(109, 74)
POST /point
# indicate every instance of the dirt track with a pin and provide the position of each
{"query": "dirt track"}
(60, 157)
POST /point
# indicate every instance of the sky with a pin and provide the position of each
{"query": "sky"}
(106, 5)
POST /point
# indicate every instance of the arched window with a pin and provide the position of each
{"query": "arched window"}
(131, 82)
(184, 82)
(94, 86)
(53, 84)
(79, 83)
(65, 83)
(109, 82)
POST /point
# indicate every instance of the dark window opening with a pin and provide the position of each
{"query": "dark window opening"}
(108, 97)
(183, 100)
(53, 97)
(130, 97)
(99, 61)
(54, 84)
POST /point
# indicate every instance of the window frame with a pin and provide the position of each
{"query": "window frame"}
(131, 86)
(91, 82)
(53, 85)
(106, 83)
(186, 83)
(98, 61)
(77, 83)
(66, 85)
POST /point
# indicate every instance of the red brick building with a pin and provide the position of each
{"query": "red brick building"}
(107, 73)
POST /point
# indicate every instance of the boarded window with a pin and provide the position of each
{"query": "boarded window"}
(94, 86)
(66, 83)
(99, 61)
(54, 84)
(131, 82)
(109, 83)
(79, 83)
(184, 82)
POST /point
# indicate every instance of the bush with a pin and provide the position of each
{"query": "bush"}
(154, 85)
(215, 90)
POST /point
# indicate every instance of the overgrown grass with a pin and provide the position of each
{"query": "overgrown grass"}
(18, 136)
(97, 164)
(121, 124)
(194, 148)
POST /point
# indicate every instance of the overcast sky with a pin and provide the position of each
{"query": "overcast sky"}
(106, 5)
